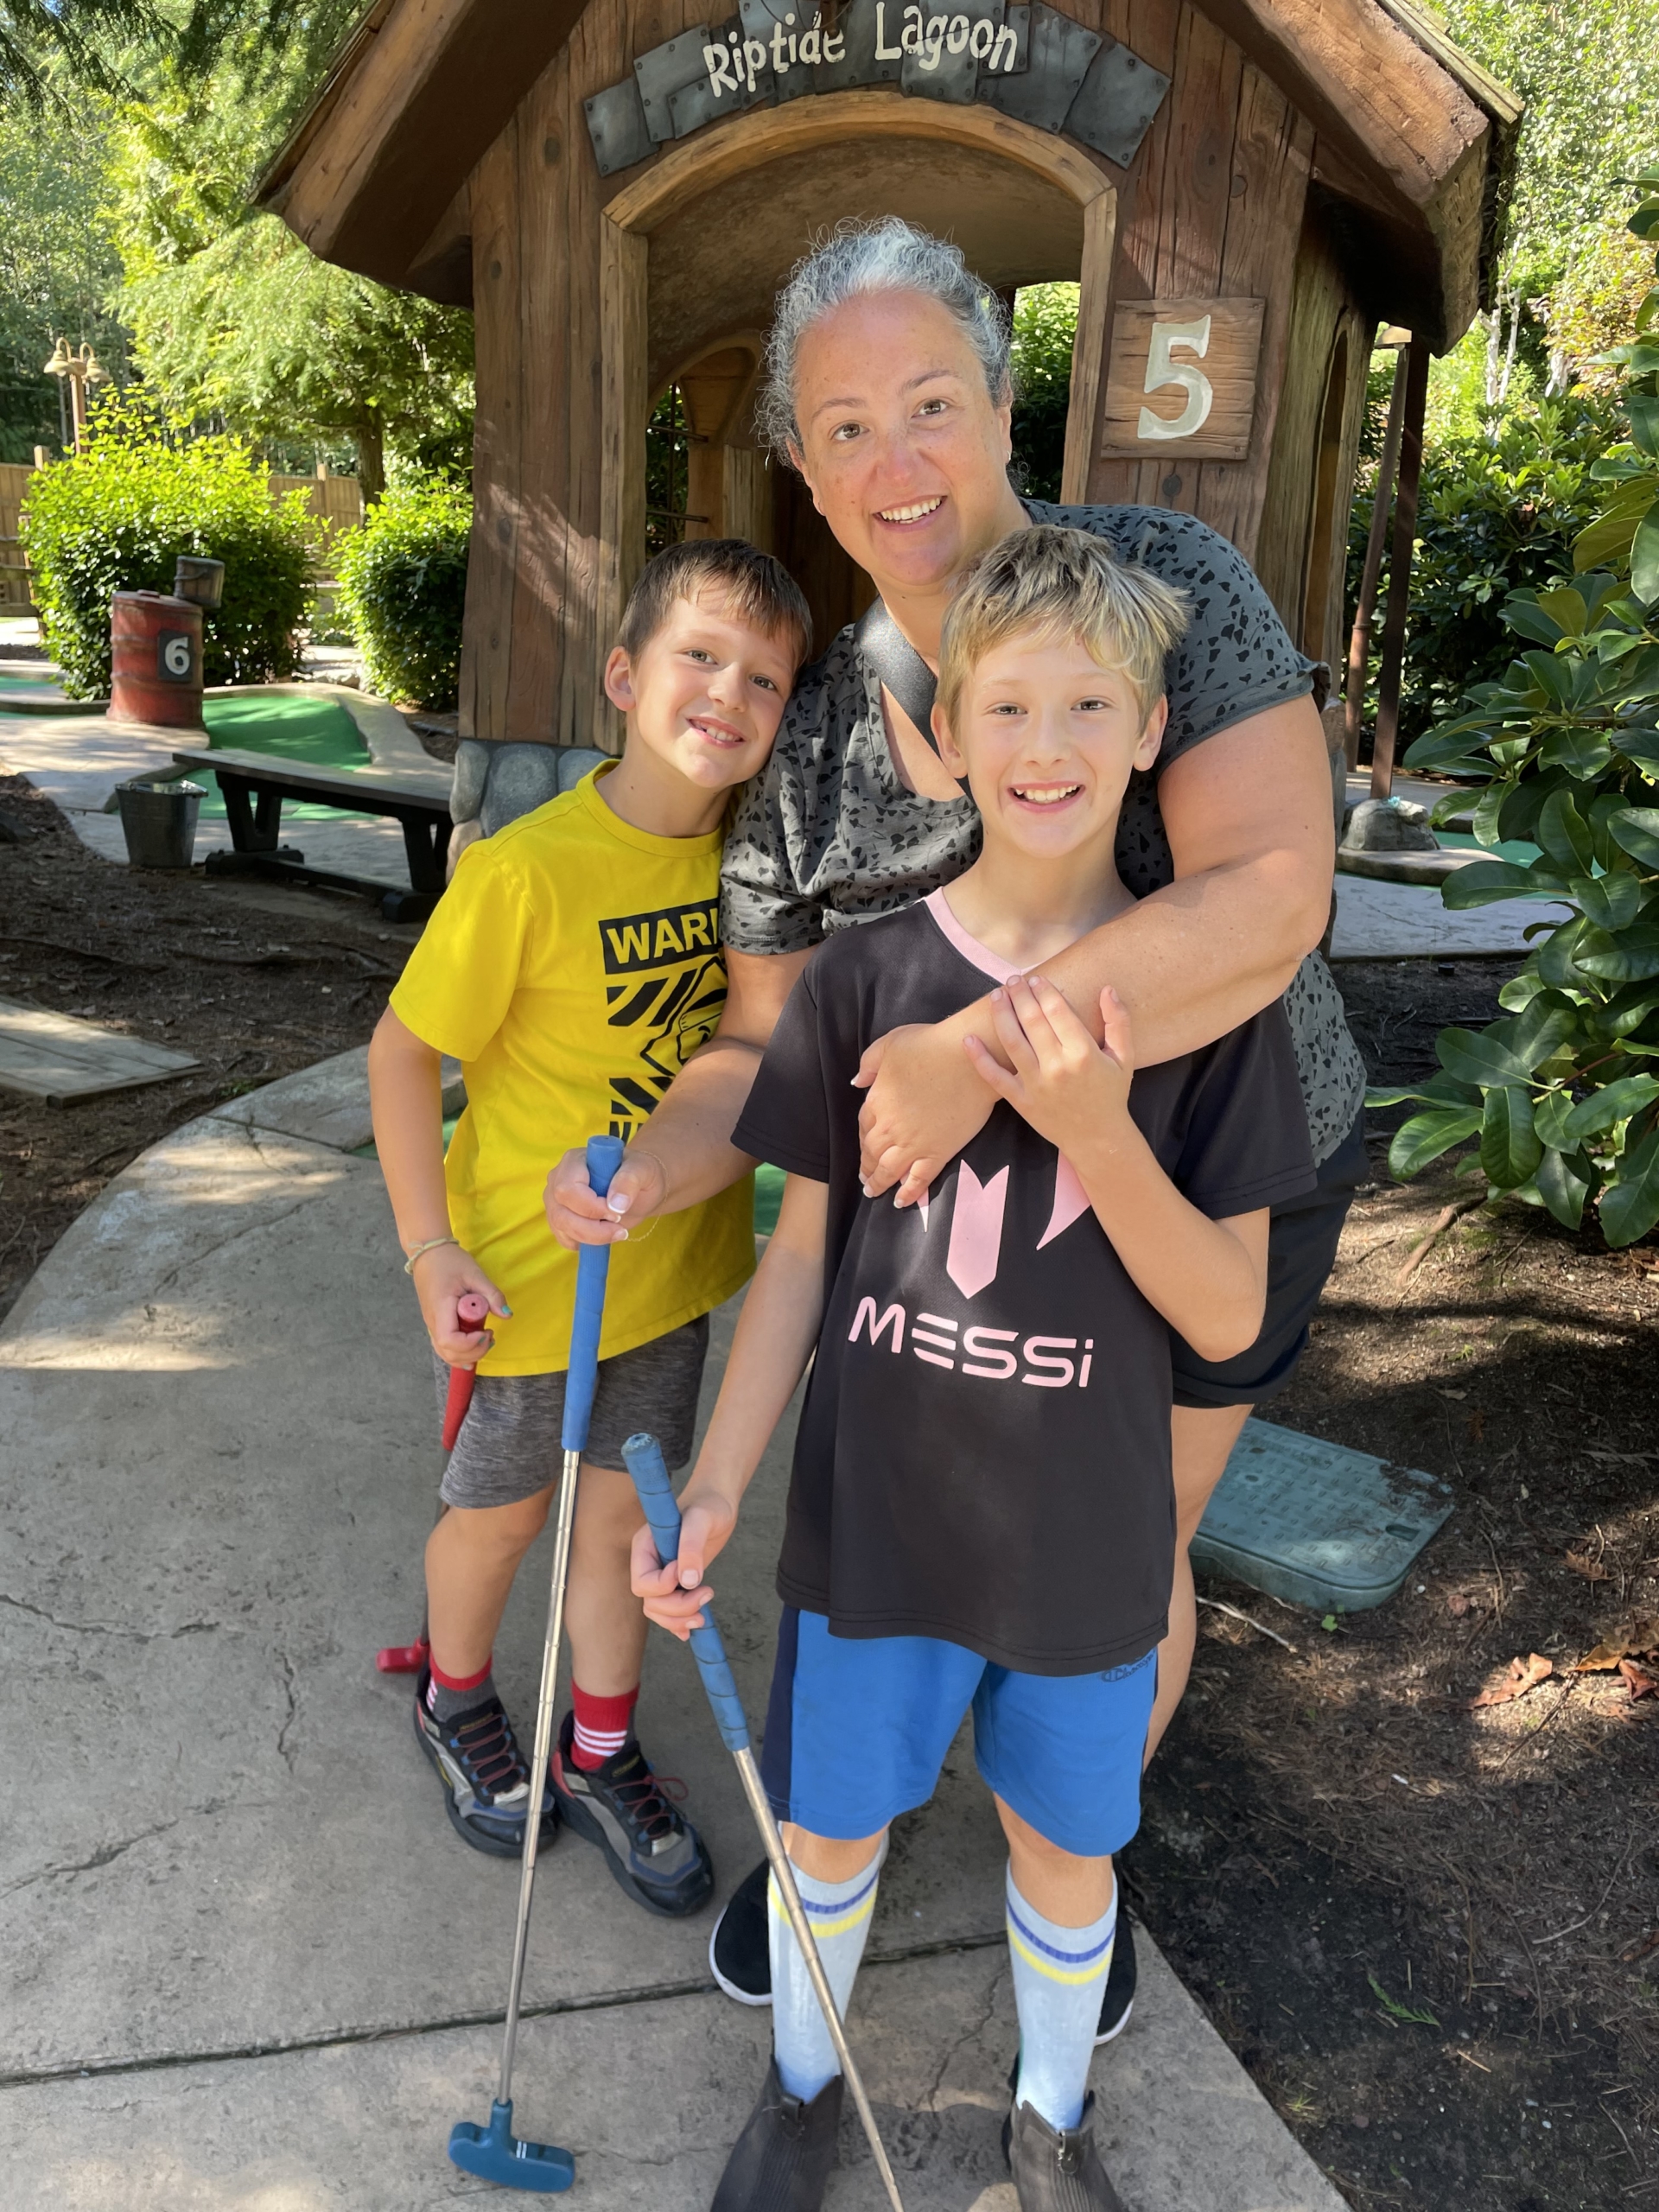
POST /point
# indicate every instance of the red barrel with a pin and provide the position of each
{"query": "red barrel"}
(157, 675)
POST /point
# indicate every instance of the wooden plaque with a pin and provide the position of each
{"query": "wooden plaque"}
(1181, 384)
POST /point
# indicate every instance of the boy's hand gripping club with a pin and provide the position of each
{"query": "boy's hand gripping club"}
(495, 2152)
(644, 1459)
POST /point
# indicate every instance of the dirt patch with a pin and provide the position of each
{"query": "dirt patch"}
(256, 980)
(1336, 1839)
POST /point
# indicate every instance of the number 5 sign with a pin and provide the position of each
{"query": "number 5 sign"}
(1181, 383)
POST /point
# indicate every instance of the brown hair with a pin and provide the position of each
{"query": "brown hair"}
(756, 589)
(1066, 585)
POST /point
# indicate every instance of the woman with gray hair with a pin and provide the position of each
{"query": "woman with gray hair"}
(889, 389)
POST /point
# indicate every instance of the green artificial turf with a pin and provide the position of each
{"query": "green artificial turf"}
(315, 730)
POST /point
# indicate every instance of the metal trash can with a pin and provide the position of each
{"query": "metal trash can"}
(158, 821)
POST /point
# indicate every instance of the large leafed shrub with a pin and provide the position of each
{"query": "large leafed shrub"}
(117, 516)
(1497, 515)
(403, 587)
(1564, 1093)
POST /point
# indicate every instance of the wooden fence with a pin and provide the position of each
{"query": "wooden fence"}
(336, 501)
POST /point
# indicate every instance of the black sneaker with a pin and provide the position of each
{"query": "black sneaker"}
(1058, 2169)
(657, 1856)
(486, 1778)
(781, 2161)
(739, 1952)
(1117, 2002)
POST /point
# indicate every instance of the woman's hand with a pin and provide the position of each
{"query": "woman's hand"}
(674, 1595)
(578, 1216)
(442, 1277)
(924, 1105)
(1071, 1089)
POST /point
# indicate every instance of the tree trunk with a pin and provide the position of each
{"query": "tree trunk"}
(370, 441)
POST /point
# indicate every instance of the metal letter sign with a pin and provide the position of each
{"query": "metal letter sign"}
(1027, 60)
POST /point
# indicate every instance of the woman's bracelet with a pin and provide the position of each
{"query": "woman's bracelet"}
(430, 1245)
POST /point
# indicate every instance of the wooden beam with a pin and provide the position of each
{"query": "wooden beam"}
(685, 171)
(624, 409)
(398, 127)
(1089, 347)
(1391, 674)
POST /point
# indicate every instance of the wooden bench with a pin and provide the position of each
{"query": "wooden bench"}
(256, 784)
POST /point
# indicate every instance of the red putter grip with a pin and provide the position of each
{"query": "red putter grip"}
(471, 1313)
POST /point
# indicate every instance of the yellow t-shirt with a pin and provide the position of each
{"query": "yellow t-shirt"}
(573, 966)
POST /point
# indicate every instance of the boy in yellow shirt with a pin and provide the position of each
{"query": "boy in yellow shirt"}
(572, 967)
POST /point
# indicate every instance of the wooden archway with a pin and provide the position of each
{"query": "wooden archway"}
(687, 172)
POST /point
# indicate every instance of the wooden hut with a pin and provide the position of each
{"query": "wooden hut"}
(1244, 189)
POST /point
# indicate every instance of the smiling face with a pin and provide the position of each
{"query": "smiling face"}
(903, 449)
(1047, 739)
(705, 694)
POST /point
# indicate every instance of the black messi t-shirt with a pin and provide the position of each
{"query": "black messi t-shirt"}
(983, 1455)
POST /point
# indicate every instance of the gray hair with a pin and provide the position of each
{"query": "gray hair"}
(887, 256)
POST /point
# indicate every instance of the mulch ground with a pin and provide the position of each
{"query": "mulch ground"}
(256, 981)
(1430, 1929)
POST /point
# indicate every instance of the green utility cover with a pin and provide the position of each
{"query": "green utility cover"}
(1315, 1523)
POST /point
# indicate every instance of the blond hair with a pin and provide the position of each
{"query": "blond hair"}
(1068, 587)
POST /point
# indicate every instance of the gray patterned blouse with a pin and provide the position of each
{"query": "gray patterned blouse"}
(828, 835)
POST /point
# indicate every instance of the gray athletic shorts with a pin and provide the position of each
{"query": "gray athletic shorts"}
(509, 1448)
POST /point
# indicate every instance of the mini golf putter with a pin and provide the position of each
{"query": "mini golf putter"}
(495, 2153)
(645, 1465)
(471, 1312)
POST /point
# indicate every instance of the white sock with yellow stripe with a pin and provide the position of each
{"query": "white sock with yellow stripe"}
(1059, 1975)
(838, 1914)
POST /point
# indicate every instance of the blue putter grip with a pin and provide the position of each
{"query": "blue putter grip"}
(645, 1458)
(593, 1265)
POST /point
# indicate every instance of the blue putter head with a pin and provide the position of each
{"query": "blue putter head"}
(494, 2153)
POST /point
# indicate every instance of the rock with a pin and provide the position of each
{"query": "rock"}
(1388, 825)
(496, 782)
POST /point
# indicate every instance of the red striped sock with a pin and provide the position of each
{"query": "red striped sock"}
(603, 1725)
(448, 1694)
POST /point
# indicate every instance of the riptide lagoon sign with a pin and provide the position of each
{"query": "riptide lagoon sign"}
(1030, 62)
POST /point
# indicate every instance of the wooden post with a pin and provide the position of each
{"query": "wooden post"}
(1405, 531)
(1359, 643)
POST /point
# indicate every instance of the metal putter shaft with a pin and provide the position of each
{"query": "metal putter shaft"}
(645, 1464)
(494, 2153)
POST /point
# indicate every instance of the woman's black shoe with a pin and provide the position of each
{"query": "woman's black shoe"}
(1117, 2000)
(740, 1955)
(781, 2161)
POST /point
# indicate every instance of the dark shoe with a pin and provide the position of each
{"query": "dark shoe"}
(657, 1857)
(781, 2161)
(486, 1779)
(1056, 2170)
(1117, 2000)
(739, 1952)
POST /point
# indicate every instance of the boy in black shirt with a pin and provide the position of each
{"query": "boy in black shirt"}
(955, 1539)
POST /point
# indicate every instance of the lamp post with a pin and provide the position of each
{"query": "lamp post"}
(82, 366)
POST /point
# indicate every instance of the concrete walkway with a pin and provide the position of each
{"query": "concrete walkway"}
(248, 1967)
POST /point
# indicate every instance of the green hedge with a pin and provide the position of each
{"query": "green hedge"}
(403, 587)
(115, 519)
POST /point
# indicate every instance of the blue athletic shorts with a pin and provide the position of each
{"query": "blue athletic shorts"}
(858, 1728)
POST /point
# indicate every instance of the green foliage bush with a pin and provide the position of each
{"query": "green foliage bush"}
(1495, 515)
(403, 579)
(117, 516)
(1563, 1093)
(1045, 325)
